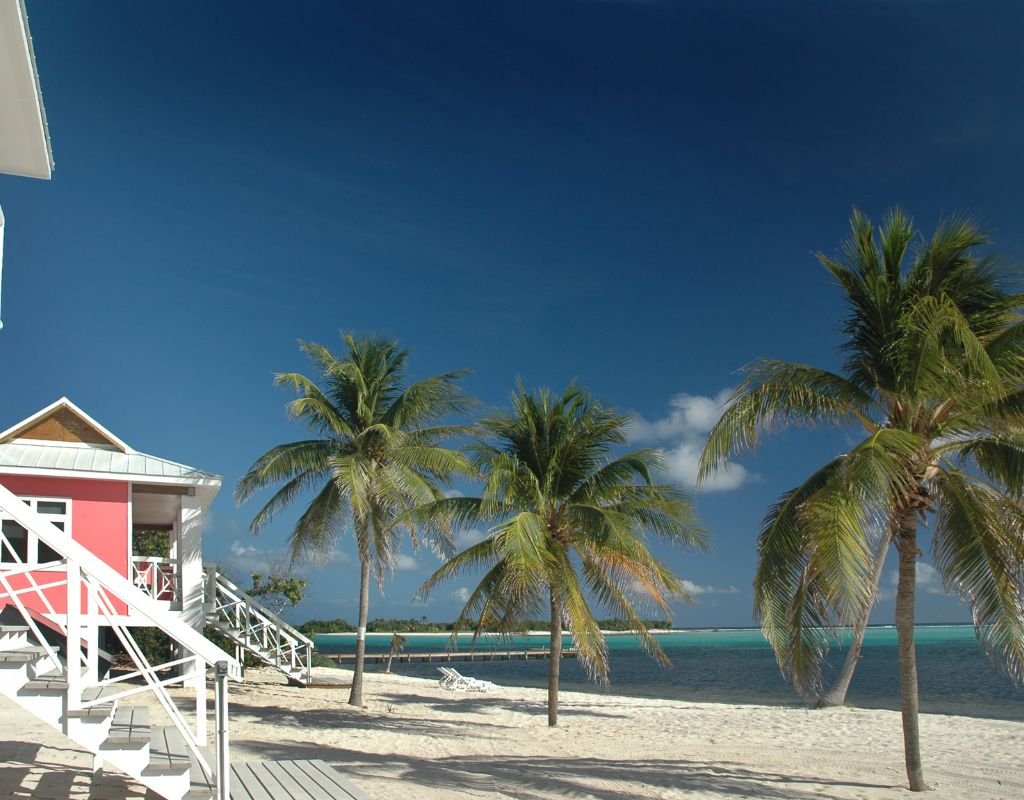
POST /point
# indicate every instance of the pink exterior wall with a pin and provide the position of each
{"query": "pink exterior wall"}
(99, 521)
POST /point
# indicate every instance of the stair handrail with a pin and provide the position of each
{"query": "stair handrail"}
(217, 581)
(244, 596)
(116, 584)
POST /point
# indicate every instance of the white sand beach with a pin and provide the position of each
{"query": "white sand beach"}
(416, 741)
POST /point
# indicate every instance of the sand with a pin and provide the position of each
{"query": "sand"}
(416, 740)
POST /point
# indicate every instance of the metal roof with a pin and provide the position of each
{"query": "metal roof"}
(24, 136)
(77, 458)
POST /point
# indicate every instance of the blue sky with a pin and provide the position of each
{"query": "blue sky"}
(625, 193)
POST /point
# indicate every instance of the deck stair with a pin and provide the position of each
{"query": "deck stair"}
(255, 629)
(63, 686)
(117, 734)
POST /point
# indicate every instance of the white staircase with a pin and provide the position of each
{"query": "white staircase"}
(256, 629)
(108, 716)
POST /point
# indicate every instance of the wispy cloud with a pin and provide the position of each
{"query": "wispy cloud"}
(928, 581)
(696, 589)
(470, 536)
(461, 594)
(404, 563)
(681, 435)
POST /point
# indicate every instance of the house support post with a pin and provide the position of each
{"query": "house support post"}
(221, 706)
(73, 661)
(190, 570)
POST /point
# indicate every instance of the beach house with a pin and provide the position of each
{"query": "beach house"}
(74, 501)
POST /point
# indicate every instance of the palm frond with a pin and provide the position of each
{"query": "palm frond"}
(318, 529)
(979, 550)
(284, 463)
(775, 394)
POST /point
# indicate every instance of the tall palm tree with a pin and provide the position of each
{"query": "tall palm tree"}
(568, 527)
(377, 454)
(934, 377)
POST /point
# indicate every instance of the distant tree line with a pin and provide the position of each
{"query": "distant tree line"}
(382, 625)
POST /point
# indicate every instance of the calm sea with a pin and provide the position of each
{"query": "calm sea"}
(737, 666)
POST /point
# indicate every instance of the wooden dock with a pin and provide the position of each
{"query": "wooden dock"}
(468, 655)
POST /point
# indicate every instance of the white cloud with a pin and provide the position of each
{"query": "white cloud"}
(461, 594)
(928, 581)
(239, 550)
(682, 433)
(339, 557)
(468, 537)
(404, 563)
(696, 589)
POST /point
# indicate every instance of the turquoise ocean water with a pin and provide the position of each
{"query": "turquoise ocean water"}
(737, 666)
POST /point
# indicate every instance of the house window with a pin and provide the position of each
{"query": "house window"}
(23, 546)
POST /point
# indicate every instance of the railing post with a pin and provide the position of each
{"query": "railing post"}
(199, 677)
(92, 635)
(73, 661)
(220, 672)
(211, 585)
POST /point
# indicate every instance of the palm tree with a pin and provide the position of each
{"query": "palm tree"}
(568, 524)
(398, 643)
(934, 376)
(376, 455)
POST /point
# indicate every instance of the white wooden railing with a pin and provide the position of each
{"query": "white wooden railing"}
(90, 591)
(257, 628)
(157, 577)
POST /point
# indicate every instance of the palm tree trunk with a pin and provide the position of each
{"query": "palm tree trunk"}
(906, 544)
(836, 696)
(554, 662)
(356, 696)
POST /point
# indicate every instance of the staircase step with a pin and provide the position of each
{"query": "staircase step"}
(22, 655)
(202, 788)
(8, 629)
(129, 728)
(57, 685)
(102, 710)
(168, 752)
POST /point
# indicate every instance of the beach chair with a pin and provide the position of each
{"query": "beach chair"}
(464, 683)
(448, 680)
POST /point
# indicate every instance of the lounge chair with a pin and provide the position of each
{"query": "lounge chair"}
(457, 682)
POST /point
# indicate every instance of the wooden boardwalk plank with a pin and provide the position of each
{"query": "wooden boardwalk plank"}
(291, 780)
(313, 789)
(275, 790)
(325, 775)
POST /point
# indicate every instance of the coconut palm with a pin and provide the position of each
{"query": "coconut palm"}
(568, 524)
(398, 643)
(934, 377)
(375, 456)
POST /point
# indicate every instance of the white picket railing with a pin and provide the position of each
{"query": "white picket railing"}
(91, 591)
(256, 628)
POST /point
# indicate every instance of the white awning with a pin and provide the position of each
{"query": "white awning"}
(24, 138)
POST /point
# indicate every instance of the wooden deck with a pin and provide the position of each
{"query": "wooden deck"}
(479, 655)
(291, 780)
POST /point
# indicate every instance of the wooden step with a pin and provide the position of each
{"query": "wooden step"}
(22, 655)
(9, 629)
(168, 752)
(202, 788)
(129, 729)
(102, 710)
(45, 686)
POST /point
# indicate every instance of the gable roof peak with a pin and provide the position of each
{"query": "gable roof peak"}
(62, 421)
